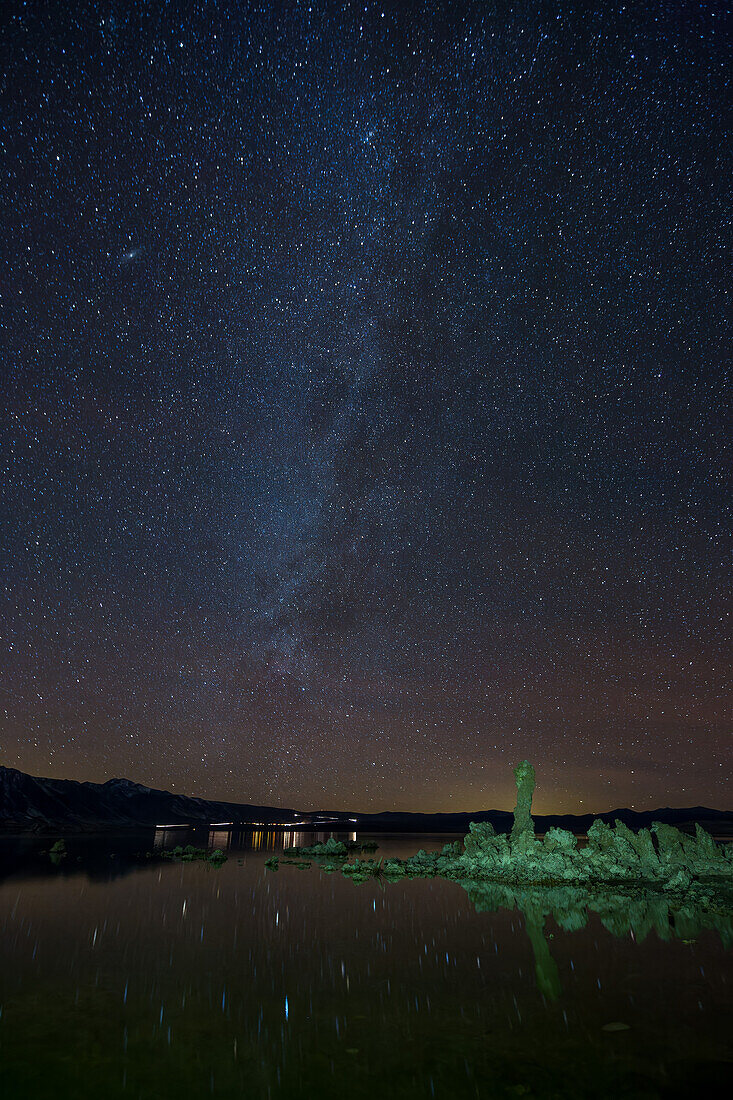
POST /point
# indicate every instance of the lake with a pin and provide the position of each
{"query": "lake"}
(123, 976)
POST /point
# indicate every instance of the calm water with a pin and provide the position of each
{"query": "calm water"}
(130, 978)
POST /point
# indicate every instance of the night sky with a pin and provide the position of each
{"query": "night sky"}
(365, 423)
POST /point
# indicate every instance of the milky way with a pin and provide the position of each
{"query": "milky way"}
(366, 427)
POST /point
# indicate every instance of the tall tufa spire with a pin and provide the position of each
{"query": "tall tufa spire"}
(523, 823)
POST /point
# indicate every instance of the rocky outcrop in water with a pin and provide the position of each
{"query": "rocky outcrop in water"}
(662, 858)
(663, 855)
(331, 849)
(213, 857)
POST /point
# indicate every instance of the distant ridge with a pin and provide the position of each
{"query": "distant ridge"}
(719, 822)
(29, 803)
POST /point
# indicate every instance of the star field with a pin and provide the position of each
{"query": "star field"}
(366, 424)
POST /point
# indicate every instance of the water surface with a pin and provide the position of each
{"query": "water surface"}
(122, 976)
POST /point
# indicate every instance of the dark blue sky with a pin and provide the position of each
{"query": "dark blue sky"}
(365, 419)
